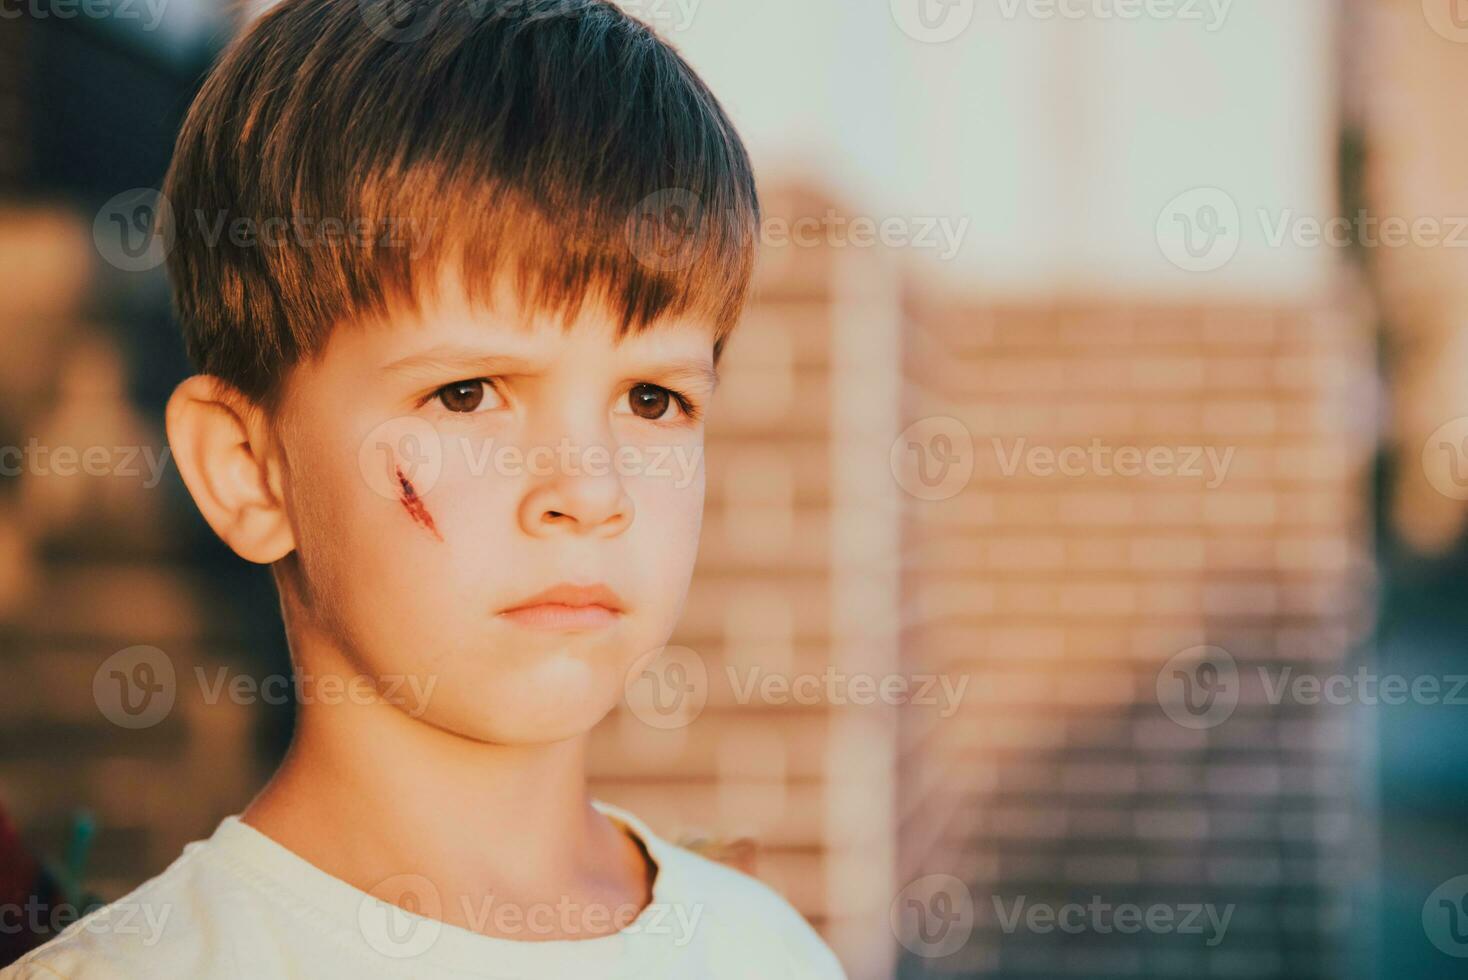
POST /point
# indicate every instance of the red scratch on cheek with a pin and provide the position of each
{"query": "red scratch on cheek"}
(414, 506)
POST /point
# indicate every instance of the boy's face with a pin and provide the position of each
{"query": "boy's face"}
(446, 466)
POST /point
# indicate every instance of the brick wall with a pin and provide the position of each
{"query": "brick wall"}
(1068, 594)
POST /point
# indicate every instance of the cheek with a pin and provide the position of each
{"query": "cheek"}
(667, 527)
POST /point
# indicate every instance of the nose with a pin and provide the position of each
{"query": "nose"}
(574, 491)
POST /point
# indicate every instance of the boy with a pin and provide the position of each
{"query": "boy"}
(457, 278)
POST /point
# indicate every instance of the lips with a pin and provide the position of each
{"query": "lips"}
(567, 606)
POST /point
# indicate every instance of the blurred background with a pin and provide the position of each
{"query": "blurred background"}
(1088, 481)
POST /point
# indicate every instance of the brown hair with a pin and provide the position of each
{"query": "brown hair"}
(560, 141)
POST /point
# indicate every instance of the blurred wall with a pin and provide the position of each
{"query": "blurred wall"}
(1060, 140)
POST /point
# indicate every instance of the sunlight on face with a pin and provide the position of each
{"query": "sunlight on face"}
(449, 465)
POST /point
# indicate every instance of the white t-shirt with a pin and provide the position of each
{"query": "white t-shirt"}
(241, 906)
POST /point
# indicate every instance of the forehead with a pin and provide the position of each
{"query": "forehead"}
(446, 321)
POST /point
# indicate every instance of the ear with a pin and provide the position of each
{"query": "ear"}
(225, 453)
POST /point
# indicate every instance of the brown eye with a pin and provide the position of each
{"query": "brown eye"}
(462, 396)
(649, 401)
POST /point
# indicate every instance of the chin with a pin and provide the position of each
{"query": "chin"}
(549, 703)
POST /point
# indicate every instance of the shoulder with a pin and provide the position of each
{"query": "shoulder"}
(155, 930)
(735, 911)
(745, 911)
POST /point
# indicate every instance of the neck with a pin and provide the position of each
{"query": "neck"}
(369, 793)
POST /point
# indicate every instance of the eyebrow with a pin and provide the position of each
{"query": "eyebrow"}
(698, 372)
(476, 361)
(460, 359)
